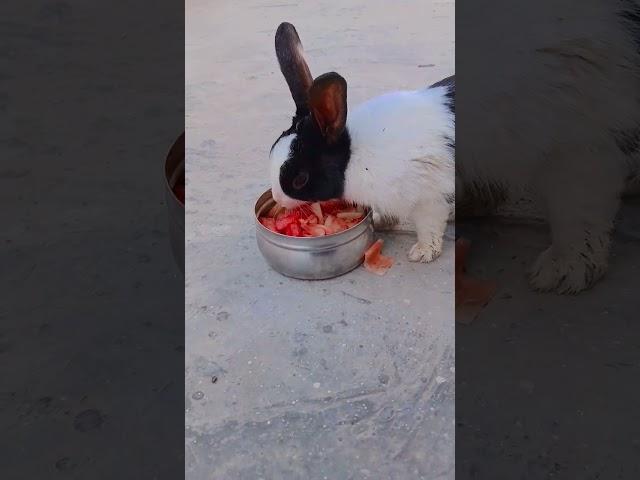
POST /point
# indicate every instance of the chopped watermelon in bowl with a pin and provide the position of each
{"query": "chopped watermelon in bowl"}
(316, 219)
(314, 241)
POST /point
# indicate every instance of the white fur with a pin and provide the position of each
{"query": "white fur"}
(399, 152)
(542, 124)
(401, 163)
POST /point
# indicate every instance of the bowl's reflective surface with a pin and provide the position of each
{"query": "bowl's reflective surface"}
(313, 258)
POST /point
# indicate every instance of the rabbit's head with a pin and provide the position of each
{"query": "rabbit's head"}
(309, 159)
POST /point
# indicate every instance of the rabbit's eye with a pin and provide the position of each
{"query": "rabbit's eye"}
(301, 180)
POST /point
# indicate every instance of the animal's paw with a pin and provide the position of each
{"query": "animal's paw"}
(426, 252)
(565, 274)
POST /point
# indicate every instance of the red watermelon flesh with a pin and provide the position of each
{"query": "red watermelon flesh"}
(314, 219)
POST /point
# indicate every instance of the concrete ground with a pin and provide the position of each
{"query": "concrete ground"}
(350, 378)
(547, 384)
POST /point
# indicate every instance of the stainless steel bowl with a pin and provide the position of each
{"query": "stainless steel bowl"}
(312, 258)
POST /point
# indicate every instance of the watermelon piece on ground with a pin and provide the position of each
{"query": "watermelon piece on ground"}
(472, 295)
(374, 261)
(469, 291)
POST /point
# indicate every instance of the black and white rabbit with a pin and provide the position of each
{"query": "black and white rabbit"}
(556, 121)
(394, 152)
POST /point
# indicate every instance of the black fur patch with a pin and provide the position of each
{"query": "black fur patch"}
(294, 122)
(324, 163)
(450, 83)
(451, 143)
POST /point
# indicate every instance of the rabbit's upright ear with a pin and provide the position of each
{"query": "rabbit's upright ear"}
(293, 66)
(328, 104)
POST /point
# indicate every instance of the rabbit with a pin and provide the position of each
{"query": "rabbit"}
(394, 153)
(557, 121)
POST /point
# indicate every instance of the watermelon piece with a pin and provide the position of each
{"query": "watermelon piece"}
(328, 219)
(470, 291)
(318, 230)
(341, 224)
(284, 220)
(374, 261)
(269, 223)
(317, 211)
(332, 207)
(295, 229)
(331, 225)
(315, 230)
(313, 219)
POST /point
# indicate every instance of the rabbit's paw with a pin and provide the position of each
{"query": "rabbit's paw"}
(426, 252)
(565, 274)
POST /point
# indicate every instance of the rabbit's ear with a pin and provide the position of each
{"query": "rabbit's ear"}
(328, 104)
(293, 66)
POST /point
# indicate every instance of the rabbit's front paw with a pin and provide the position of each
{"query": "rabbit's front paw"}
(426, 252)
(565, 274)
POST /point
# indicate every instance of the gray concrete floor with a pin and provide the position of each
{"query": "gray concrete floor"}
(91, 309)
(345, 378)
(547, 384)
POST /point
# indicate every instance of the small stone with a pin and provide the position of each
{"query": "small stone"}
(198, 395)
